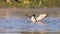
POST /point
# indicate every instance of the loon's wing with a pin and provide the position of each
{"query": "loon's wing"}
(41, 16)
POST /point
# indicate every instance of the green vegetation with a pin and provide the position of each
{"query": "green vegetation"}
(29, 3)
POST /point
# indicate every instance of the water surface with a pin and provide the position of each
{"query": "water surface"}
(23, 24)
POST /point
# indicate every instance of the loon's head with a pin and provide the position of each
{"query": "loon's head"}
(33, 15)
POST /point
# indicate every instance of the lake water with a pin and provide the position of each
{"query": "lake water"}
(16, 24)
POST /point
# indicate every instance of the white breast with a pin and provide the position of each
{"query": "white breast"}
(33, 19)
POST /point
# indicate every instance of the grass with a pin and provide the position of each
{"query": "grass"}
(31, 4)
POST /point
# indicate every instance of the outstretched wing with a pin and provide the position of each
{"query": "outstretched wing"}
(41, 16)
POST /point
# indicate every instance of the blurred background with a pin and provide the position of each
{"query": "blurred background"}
(29, 3)
(11, 9)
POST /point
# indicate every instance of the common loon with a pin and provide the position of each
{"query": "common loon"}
(35, 19)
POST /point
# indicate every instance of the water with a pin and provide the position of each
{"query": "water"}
(23, 24)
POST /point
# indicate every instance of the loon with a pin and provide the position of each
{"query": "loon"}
(35, 19)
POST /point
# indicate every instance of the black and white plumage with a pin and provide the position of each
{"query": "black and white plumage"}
(37, 19)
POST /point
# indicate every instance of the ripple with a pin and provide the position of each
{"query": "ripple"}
(24, 24)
